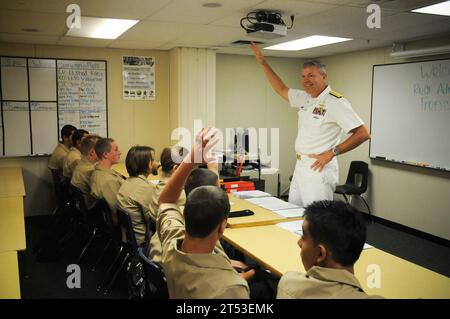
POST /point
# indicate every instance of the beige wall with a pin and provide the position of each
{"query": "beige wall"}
(129, 122)
(414, 197)
(246, 99)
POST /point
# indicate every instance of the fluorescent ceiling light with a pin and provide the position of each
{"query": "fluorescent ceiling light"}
(101, 28)
(306, 43)
(442, 9)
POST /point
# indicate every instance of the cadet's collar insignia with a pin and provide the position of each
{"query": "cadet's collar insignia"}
(320, 110)
(336, 94)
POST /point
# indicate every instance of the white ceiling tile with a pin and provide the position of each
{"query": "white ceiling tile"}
(86, 42)
(298, 8)
(12, 21)
(399, 5)
(123, 44)
(124, 9)
(191, 11)
(411, 23)
(158, 31)
(170, 23)
(208, 35)
(28, 38)
(49, 6)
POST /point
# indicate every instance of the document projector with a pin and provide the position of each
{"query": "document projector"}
(264, 24)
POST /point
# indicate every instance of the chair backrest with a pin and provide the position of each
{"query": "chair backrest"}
(60, 187)
(78, 197)
(106, 213)
(154, 275)
(126, 224)
(358, 168)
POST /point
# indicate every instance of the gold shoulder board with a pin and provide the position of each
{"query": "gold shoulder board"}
(336, 94)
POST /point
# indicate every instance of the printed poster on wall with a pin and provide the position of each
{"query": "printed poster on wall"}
(138, 78)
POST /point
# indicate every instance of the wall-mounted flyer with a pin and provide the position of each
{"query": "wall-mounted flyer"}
(138, 78)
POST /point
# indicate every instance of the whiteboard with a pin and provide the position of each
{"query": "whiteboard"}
(411, 113)
(41, 95)
(16, 128)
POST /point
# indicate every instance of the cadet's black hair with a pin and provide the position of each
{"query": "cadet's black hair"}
(171, 157)
(78, 135)
(67, 130)
(138, 160)
(338, 226)
(206, 207)
(200, 177)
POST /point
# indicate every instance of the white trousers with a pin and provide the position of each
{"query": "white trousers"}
(308, 185)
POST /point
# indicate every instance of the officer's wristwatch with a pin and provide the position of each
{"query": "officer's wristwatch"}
(336, 151)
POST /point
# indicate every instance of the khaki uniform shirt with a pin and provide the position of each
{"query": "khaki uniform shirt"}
(81, 178)
(71, 161)
(195, 275)
(155, 197)
(57, 159)
(134, 197)
(155, 249)
(320, 283)
(105, 184)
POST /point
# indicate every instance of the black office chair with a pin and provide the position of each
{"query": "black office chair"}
(154, 276)
(85, 218)
(113, 233)
(127, 251)
(356, 183)
(61, 187)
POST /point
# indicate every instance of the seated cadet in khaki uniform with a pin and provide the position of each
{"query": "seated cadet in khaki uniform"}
(168, 160)
(136, 192)
(74, 156)
(57, 159)
(105, 182)
(334, 234)
(81, 177)
(193, 265)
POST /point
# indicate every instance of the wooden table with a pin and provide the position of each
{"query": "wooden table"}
(9, 276)
(261, 217)
(12, 224)
(277, 250)
(12, 230)
(11, 182)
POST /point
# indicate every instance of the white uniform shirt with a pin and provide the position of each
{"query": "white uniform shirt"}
(321, 120)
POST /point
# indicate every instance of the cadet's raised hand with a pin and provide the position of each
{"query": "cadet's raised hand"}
(205, 140)
(258, 55)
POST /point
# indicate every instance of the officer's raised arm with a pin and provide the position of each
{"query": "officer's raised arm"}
(275, 81)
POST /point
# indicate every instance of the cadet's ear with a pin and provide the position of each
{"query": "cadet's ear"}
(222, 227)
(323, 255)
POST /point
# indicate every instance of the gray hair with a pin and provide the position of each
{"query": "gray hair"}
(319, 65)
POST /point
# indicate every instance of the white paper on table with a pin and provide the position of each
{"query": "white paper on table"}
(290, 213)
(250, 194)
(154, 181)
(272, 203)
(294, 227)
(367, 246)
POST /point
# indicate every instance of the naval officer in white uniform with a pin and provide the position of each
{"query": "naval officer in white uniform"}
(322, 117)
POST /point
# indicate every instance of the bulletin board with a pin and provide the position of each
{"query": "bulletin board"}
(38, 96)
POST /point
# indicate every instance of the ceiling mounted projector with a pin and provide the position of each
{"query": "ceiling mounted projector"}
(265, 24)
